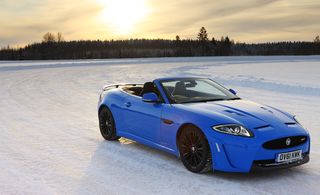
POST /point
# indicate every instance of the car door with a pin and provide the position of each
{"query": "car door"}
(142, 119)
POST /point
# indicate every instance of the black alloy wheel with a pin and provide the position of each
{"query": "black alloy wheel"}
(107, 124)
(194, 150)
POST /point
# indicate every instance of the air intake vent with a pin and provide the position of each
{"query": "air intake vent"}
(286, 142)
(290, 124)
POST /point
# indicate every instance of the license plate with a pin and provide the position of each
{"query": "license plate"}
(289, 156)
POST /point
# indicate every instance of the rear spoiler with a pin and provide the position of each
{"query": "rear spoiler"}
(112, 86)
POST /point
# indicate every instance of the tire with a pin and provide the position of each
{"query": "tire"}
(107, 125)
(194, 150)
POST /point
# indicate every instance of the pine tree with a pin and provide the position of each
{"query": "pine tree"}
(177, 38)
(203, 35)
(213, 40)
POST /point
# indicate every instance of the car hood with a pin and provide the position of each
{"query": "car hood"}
(247, 113)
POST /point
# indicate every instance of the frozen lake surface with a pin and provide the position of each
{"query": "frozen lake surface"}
(50, 142)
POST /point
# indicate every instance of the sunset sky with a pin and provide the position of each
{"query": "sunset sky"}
(25, 21)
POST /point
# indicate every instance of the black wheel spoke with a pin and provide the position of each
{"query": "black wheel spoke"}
(198, 156)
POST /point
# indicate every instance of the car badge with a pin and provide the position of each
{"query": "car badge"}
(288, 141)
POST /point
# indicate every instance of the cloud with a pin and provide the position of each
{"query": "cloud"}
(189, 14)
(28, 25)
(23, 22)
(247, 20)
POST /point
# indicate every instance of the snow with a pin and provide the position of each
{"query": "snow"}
(50, 142)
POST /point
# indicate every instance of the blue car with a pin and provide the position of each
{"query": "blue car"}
(204, 124)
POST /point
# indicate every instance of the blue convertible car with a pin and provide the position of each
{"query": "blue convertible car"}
(208, 126)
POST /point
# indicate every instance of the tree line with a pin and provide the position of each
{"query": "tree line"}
(54, 47)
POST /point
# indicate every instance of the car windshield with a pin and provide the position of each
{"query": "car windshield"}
(187, 90)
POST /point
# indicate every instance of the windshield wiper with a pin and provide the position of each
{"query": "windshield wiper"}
(235, 98)
(208, 100)
(211, 100)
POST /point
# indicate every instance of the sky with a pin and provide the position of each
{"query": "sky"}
(26, 21)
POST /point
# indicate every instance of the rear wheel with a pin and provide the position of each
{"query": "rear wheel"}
(194, 150)
(107, 124)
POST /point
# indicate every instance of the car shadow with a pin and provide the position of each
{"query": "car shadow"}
(126, 159)
(260, 175)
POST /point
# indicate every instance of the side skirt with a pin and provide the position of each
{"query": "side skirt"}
(148, 143)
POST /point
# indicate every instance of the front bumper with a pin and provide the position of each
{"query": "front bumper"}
(265, 165)
(241, 155)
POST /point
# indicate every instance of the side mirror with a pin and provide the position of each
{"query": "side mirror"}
(233, 91)
(150, 97)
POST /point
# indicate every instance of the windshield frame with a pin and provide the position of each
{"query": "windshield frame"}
(222, 89)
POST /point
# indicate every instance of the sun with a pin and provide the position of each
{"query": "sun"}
(123, 15)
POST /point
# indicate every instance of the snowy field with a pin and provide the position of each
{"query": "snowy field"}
(50, 142)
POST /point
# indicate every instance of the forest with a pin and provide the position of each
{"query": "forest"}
(54, 47)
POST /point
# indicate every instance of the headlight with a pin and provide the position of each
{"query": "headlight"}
(233, 129)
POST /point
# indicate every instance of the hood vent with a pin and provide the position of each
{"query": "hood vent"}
(291, 123)
(264, 108)
(233, 112)
(262, 127)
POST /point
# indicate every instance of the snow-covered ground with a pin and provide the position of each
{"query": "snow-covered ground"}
(50, 142)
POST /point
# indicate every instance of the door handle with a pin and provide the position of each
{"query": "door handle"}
(127, 104)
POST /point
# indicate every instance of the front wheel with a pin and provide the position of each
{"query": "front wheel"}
(107, 124)
(194, 150)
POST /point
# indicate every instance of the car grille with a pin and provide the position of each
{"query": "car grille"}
(286, 142)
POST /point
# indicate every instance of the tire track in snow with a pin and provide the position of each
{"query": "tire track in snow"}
(49, 137)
